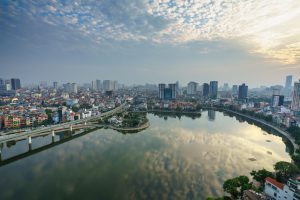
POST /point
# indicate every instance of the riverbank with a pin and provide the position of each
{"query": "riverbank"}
(262, 122)
(139, 128)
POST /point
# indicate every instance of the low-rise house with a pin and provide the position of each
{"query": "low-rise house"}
(275, 190)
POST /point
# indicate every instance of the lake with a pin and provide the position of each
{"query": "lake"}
(175, 158)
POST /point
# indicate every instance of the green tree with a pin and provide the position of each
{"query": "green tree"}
(296, 159)
(285, 170)
(261, 175)
(236, 186)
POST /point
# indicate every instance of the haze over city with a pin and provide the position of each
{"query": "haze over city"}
(150, 41)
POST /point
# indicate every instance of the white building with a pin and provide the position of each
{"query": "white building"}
(278, 191)
(70, 87)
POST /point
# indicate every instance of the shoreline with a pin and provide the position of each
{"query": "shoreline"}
(262, 122)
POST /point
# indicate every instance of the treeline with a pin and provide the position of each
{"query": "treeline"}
(235, 187)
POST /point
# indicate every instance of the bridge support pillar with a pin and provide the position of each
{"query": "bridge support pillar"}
(71, 128)
(29, 143)
(29, 139)
(53, 136)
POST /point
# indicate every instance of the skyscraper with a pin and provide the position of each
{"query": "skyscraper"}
(1, 81)
(277, 100)
(205, 89)
(70, 87)
(296, 97)
(167, 93)
(213, 89)
(243, 91)
(94, 85)
(288, 82)
(108, 85)
(55, 85)
(161, 90)
(172, 86)
(15, 83)
(98, 85)
(192, 88)
(235, 89)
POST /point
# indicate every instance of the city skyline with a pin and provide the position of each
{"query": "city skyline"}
(150, 41)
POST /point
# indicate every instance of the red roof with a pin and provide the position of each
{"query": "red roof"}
(274, 182)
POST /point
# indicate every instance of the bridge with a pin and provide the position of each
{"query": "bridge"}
(73, 125)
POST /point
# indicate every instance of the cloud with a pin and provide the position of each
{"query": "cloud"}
(269, 28)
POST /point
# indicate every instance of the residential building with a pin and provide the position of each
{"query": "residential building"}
(108, 85)
(277, 191)
(71, 88)
(192, 88)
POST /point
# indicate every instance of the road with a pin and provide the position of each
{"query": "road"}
(67, 125)
(282, 132)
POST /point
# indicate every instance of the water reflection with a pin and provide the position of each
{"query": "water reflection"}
(172, 159)
(211, 115)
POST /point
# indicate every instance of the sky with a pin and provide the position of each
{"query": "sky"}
(150, 41)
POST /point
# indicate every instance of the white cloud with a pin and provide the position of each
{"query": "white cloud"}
(260, 24)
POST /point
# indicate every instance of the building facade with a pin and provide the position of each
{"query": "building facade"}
(192, 88)
(213, 89)
(15, 83)
(205, 89)
(243, 92)
(296, 97)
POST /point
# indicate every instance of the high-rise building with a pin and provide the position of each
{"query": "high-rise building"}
(98, 85)
(243, 91)
(70, 87)
(94, 85)
(177, 86)
(74, 88)
(115, 85)
(161, 90)
(167, 93)
(55, 85)
(296, 97)
(15, 83)
(172, 86)
(1, 81)
(288, 82)
(205, 89)
(213, 89)
(192, 88)
(235, 89)
(277, 100)
(225, 87)
(108, 85)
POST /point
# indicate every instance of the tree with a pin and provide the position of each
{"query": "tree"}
(261, 175)
(285, 170)
(236, 186)
(296, 159)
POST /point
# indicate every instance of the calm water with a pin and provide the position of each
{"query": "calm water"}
(173, 159)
